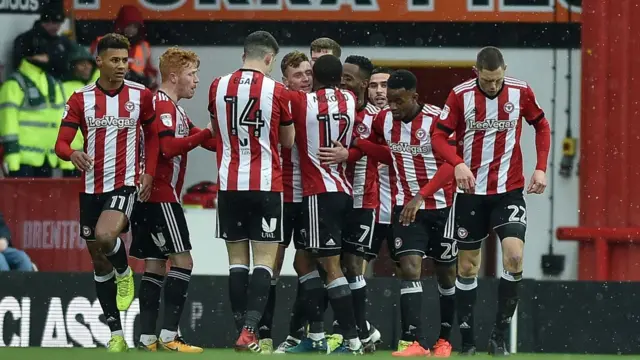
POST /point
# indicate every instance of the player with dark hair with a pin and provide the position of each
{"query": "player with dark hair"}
(485, 113)
(378, 86)
(323, 46)
(109, 114)
(360, 222)
(423, 196)
(160, 230)
(322, 118)
(297, 75)
(250, 115)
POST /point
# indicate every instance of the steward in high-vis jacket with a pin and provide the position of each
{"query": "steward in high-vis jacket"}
(83, 72)
(31, 107)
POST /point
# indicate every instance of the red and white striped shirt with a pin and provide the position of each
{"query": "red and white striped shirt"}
(363, 174)
(413, 159)
(488, 131)
(386, 194)
(247, 108)
(320, 117)
(172, 121)
(110, 122)
(291, 177)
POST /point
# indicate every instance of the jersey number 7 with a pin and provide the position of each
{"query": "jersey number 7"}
(344, 124)
(245, 118)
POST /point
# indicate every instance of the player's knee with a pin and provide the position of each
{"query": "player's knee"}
(182, 260)
(468, 267)
(446, 275)
(155, 266)
(352, 265)
(512, 254)
(411, 267)
(105, 235)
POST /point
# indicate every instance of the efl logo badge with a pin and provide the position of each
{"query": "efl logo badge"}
(509, 107)
(166, 119)
(444, 114)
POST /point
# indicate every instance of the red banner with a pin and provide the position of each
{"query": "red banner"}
(43, 217)
(336, 10)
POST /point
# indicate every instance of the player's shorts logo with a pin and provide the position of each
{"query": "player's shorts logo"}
(129, 106)
(397, 243)
(421, 134)
(462, 233)
(86, 231)
(509, 107)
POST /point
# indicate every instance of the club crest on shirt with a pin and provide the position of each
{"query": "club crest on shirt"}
(363, 130)
(508, 107)
(130, 106)
(421, 134)
(166, 119)
(444, 114)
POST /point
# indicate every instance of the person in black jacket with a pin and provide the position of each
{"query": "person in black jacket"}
(47, 28)
(10, 257)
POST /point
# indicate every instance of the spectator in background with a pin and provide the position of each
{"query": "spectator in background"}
(10, 257)
(83, 71)
(31, 107)
(130, 23)
(47, 28)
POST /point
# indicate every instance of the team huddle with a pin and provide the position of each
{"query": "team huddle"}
(338, 158)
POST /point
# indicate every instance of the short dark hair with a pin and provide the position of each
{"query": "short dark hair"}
(363, 63)
(327, 70)
(402, 79)
(113, 41)
(325, 43)
(489, 58)
(258, 44)
(293, 59)
(381, 70)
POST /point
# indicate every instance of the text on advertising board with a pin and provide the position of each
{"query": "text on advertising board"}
(338, 10)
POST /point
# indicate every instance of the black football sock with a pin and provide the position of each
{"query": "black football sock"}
(507, 300)
(266, 323)
(118, 257)
(313, 294)
(358, 288)
(106, 290)
(447, 311)
(342, 305)
(238, 284)
(466, 294)
(296, 324)
(411, 311)
(258, 295)
(175, 295)
(150, 288)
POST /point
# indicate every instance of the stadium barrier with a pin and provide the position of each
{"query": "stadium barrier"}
(61, 310)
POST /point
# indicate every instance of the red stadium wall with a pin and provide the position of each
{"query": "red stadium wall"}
(42, 215)
(610, 138)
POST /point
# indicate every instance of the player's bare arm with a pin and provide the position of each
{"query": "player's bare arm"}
(287, 135)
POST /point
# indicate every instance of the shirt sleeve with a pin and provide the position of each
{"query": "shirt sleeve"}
(166, 114)
(284, 104)
(147, 107)
(71, 120)
(450, 116)
(530, 108)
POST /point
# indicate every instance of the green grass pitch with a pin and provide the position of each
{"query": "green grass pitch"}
(225, 354)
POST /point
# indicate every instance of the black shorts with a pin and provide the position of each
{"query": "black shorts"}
(325, 215)
(473, 216)
(159, 229)
(293, 224)
(422, 237)
(381, 234)
(358, 231)
(92, 205)
(249, 215)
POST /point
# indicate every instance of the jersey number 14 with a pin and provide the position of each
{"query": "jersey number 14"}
(245, 118)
